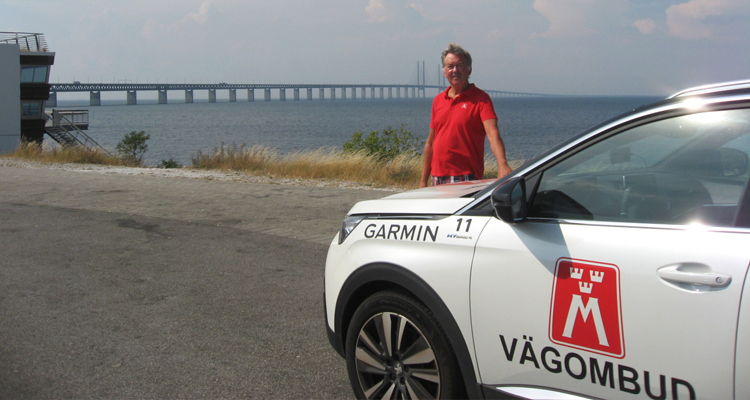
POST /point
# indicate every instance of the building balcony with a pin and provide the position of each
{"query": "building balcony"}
(29, 42)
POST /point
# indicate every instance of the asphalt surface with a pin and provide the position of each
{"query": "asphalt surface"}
(120, 286)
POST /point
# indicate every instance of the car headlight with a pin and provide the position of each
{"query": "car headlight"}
(350, 222)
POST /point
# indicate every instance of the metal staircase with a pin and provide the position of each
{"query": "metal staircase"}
(66, 127)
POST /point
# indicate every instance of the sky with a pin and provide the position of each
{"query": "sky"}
(573, 47)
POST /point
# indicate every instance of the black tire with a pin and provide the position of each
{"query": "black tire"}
(396, 349)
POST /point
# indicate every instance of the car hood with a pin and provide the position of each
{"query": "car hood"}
(443, 199)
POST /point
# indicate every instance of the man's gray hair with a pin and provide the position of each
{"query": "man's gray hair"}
(454, 48)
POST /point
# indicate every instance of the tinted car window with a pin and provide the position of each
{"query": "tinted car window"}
(681, 170)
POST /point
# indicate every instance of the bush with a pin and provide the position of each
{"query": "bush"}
(132, 147)
(387, 146)
(171, 163)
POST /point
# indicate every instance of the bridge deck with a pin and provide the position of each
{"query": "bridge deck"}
(105, 87)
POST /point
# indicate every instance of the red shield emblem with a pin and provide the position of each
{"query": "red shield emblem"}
(585, 312)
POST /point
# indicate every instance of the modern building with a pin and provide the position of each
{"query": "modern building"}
(34, 59)
(10, 92)
(24, 74)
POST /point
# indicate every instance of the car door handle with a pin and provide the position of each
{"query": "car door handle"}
(694, 274)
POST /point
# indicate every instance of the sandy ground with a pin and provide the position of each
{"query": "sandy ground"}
(297, 208)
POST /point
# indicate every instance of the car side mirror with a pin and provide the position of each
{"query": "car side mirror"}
(734, 162)
(509, 200)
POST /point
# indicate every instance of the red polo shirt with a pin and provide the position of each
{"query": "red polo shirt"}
(458, 148)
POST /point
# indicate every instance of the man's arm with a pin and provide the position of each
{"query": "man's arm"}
(427, 159)
(497, 146)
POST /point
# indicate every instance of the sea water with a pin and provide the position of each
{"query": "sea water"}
(528, 125)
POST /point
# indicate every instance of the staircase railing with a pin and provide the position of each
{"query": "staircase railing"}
(63, 127)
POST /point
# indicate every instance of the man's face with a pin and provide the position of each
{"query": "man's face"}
(456, 70)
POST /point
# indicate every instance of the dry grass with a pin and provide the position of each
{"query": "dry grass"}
(78, 155)
(323, 164)
(403, 172)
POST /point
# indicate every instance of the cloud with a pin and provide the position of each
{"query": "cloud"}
(152, 27)
(689, 20)
(380, 11)
(575, 18)
(201, 16)
(420, 8)
(646, 26)
(566, 17)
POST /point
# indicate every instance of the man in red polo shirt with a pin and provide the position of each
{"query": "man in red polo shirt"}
(462, 116)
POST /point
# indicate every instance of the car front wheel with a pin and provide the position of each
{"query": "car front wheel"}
(396, 349)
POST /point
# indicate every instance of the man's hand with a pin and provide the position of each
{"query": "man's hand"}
(503, 169)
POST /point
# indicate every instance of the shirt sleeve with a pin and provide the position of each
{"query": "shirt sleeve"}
(487, 109)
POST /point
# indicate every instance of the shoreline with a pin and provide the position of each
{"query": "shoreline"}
(188, 173)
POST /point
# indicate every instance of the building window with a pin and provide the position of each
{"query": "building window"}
(32, 109)
(34, 74)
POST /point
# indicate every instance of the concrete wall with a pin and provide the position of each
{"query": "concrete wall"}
(10, 97)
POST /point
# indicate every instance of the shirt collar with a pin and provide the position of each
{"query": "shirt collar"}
(462, 94)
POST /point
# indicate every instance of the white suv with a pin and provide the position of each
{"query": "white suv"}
(612, 266)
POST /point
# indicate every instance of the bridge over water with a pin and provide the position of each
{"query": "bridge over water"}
(324, 91)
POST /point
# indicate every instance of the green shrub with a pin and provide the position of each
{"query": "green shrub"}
(132, 147)
(171, 163)
(386, 146)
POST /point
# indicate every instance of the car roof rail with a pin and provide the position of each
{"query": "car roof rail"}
(713, 88)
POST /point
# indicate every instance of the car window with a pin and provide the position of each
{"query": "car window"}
(681, 170)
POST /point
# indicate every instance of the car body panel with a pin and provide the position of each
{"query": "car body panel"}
(438, 251)
(436, 200)
(742, 359)
(653, 311)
